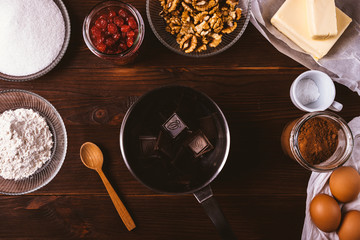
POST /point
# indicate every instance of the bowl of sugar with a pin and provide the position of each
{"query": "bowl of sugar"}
(34, 38)
(33, 142)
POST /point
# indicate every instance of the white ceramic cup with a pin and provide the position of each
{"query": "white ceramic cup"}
(325, 87)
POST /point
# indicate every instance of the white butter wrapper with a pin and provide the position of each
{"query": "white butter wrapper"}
(342, 63)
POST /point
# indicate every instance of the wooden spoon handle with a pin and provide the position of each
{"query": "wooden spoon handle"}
(121, 209)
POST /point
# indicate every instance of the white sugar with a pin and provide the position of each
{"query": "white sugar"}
(307, 91)
(31, 35)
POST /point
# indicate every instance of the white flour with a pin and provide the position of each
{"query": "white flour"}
(32, 34)
(25, 143)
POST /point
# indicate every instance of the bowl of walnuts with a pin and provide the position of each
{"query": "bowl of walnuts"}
(198, 28)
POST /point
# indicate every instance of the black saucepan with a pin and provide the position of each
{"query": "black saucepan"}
(176, 140)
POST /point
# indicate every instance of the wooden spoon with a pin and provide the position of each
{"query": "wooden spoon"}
(92, 157)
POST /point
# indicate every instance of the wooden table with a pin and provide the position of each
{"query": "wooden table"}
(261, 192)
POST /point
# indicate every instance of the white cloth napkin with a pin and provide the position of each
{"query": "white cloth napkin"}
(342, 62)
(318, 183)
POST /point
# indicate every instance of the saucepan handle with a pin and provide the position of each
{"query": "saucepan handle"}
(211, 207)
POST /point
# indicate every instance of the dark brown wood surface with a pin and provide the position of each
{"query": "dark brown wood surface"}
(261, 191)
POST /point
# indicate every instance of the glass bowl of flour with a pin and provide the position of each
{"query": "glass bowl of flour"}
(34, 38)
(33, 142)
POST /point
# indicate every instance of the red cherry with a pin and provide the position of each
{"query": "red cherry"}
(112, 29)
(132, 23)
(101, 23)
(118, 21)
(110, 51)
(112, 13)
(116, 36)
(125, 28)
(131, 34)
(123, 13)
(103, 16)
(119, 50)
(109, 42)
(123, 46)
(101, 47)
(129, 42)
(99, 40)
(123, 35)
(96, 31)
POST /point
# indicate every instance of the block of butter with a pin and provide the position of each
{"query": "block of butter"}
(321, 18)
(291, 20)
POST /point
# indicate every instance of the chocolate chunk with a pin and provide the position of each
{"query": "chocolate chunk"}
(199, 144)
(174, 125)
(208, 127)
(147, 145)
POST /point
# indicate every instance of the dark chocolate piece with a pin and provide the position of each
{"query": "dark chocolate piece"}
(208, 127)
(174, 125)
(147, 145)
(199, 144)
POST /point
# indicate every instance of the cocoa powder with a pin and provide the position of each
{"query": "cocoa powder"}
(318, 140)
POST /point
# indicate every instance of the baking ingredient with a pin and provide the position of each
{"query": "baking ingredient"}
(307, 91)
(285, 139)
(321, 18)
(325, 212)
(199, 24)
(318, 139)
(25, 143)
(345, 184)
(32, 35)
(350, 226)
(114, 30)
(291, 20)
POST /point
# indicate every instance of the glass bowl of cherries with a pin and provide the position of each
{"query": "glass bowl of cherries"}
(114, 30)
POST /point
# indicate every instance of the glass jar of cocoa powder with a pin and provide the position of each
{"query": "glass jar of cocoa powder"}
(318, 141)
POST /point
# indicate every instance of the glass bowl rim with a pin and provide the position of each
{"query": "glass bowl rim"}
(230, 44)
(62, 125)
(138, 41)
(67, 24)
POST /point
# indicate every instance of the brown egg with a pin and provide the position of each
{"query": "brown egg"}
(350, 226)
(345, 184)
(325, 212)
